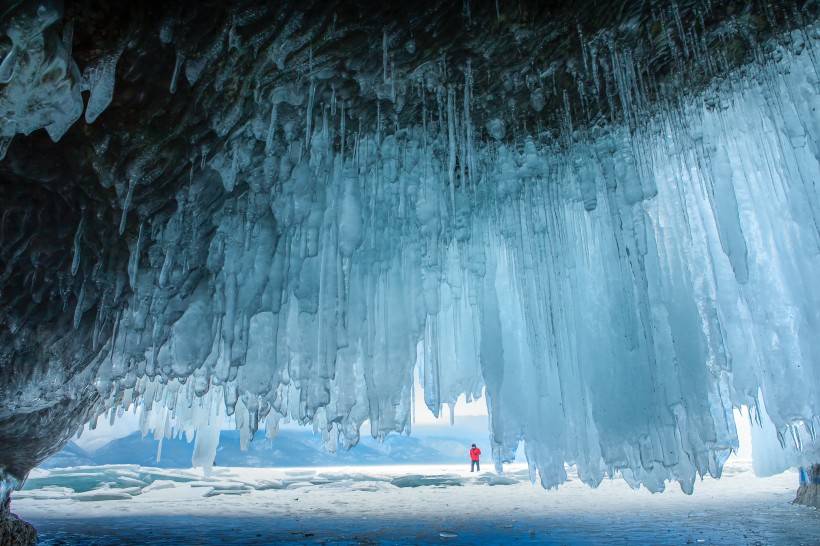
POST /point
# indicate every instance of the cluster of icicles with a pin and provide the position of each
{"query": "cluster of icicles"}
(616, 299)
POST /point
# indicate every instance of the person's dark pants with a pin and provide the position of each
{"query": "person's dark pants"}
(475, 466)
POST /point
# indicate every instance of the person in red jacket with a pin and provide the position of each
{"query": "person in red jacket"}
(475, 453)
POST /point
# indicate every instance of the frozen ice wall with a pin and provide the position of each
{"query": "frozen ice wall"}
(617, 298)
(617, 290)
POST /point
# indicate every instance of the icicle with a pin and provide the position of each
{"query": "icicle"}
(378, 123)
(127, 205)
(135, 257)
(271, 127)
(468, 122)
(229, 182)
(342, 132)
(451, 143)
(384, 56)
(309, 116)
(68, 36)
(80, 308)
(75, 263)
(392, 83)
(175, 77)
(8, 64)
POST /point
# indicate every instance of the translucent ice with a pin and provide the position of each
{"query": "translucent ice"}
(616, 298)
(617, 287)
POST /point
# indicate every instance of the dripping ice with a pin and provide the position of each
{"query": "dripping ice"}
(609, 297)
(616, 295)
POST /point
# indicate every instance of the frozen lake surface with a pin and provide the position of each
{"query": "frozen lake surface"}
(128, 504)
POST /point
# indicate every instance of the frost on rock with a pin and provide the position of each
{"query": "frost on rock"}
(616, 286)
(38, 78)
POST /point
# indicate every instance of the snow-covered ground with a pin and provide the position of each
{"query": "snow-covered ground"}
(128, 504)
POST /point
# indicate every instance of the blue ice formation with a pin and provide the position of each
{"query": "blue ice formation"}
(617, 290)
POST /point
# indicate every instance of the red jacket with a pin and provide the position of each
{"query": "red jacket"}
(474, 453)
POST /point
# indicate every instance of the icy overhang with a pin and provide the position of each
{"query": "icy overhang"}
(605, 214)
(542, 68)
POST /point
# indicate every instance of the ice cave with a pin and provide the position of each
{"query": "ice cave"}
(602, 215)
